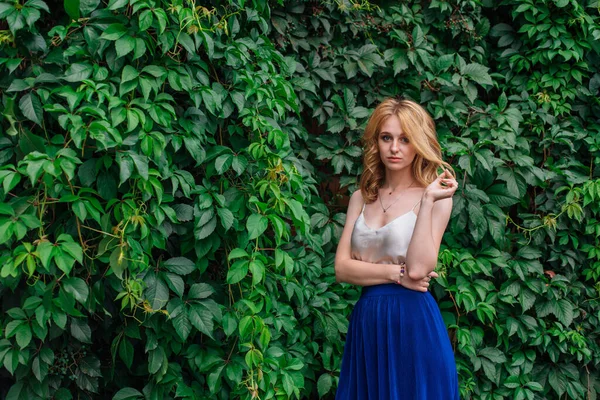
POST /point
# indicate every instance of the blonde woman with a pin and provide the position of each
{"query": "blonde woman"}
(397, 346)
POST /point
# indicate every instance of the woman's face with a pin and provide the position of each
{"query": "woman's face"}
(395, 149)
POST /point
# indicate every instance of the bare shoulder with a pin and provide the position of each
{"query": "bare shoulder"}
(356, 197)
(354, 206)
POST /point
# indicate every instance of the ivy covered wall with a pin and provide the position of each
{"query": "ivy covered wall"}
(174, 177)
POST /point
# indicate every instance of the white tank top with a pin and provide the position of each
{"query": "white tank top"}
(386, 245)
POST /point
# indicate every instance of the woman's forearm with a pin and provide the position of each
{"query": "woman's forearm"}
(421, 257)
(364, 273)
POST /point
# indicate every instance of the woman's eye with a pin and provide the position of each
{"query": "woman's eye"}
(386, 137)
(405, 140)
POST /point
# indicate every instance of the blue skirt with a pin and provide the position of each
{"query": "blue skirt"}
(397, 347)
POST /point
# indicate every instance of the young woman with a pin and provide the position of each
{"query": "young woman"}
(397, 346)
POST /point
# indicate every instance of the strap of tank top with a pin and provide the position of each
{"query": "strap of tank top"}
(363, 209)
(415, 205)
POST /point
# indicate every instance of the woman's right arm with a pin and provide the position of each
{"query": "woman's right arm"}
(365, 273)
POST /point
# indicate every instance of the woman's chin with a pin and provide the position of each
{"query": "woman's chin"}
(395, 166)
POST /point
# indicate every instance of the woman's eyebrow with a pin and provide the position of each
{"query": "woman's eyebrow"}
(391, 134)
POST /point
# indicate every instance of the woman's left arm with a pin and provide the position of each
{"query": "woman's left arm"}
(433, 217)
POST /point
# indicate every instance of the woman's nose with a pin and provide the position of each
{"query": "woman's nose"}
(395, 146)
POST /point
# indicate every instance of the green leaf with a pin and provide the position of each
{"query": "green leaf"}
(180, 265)
(44, 250)
(477, 73)
(445, 62)
(77, 288)
(493, 355)
(175, 283)
(512, 382)
(23, 335)
(223, 163)
(126, 352)
(17, 392)
(562, 309)
(80, 330)
(336, 125)
(157, 292)
(200, 291)
(128, 394)
(478, 225)
(256, 225)
(324, 384)
(124, 46)
(18, 85)
(31, 107)
(118, 262)
(63, 261)
(6, 209)
(116, 4)
(535, 386)
(208, 43)
(78, 72)
(239, 164)
(125, 168)
(182, 324)
(155, 360)
(226, 218)
(72, 248)
(202, 319)
(39, 369)
(229, 324)
(237, 253)
(141, 165)
(87, 6)
(207, 229)
(145, 20)
(257, 268)
(186, 41)
(129, 74)
(305, 84)
(237, 272)
(72, 8)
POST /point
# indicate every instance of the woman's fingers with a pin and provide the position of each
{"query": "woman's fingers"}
(446, 174)
(425, 282)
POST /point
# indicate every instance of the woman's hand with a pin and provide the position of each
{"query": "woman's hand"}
(422, 285)
(443, 187)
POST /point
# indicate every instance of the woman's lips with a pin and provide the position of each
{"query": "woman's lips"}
(393, 159)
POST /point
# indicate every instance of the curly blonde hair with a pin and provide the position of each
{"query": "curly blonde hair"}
(419, 127)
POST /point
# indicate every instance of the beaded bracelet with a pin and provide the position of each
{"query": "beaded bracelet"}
(402, 271)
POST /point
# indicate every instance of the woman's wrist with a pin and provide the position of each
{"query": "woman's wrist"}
(397, 272)
(393, 272)
(427, 199)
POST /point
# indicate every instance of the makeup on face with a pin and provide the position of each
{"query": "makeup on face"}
(395, 148)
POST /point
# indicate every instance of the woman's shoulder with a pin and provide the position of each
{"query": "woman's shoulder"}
(356, 199)
(357, 195)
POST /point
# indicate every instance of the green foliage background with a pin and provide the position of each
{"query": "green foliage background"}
(173, 181)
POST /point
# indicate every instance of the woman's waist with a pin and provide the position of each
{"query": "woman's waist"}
(379, 258)
(388, 289)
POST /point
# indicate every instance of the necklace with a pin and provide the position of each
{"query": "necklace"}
(397, 198)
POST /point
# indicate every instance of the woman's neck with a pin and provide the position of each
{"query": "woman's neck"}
(398, 179)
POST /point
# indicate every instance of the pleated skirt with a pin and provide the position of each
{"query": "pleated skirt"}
(397, 347)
